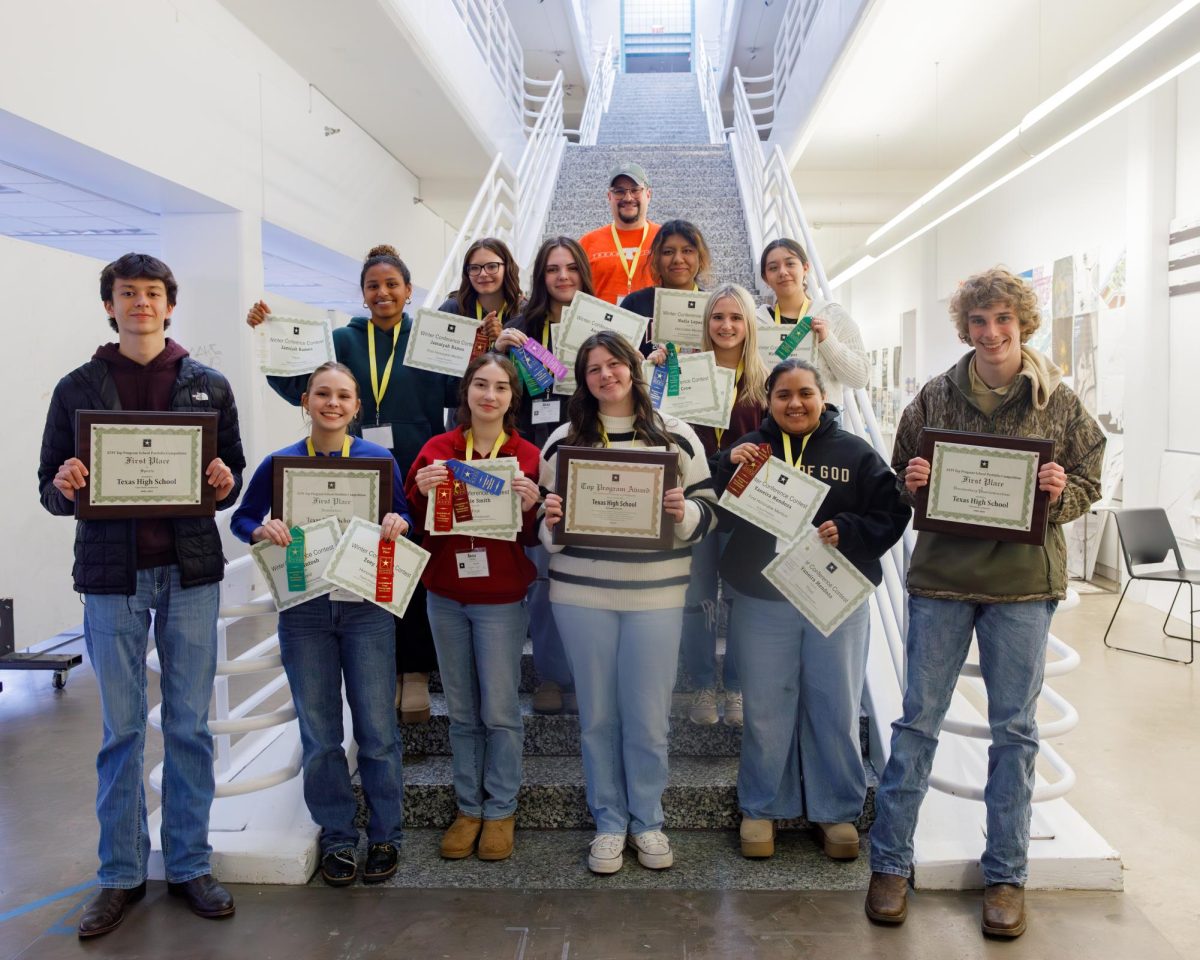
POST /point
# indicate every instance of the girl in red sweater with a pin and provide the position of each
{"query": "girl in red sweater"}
(475, 587)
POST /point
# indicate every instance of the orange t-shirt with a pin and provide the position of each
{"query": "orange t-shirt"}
(608, 272)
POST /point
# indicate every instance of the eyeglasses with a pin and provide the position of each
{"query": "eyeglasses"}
(620, 194)
(491, 269)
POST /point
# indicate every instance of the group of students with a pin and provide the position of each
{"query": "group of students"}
(606, 624)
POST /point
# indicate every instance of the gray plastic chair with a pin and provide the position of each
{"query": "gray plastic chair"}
(1146, 537)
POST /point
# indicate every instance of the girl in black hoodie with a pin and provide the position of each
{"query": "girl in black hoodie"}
(803, 689)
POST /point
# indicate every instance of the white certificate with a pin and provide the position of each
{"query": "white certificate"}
(355, 563)
(985, 486)
(493, 517)
(146, 465)
(585, 316)
(726, 381)
(617, 501)
(313, 494)
(699, 392)
(441, 342)
(679, 317)
(781, 499)
(320, 539)
(771, 335)
(290, 346)
(819, 582)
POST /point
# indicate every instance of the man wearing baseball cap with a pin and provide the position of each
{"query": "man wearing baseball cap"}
(617, 252)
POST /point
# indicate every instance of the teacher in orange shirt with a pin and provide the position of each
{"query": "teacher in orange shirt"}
(618, 252)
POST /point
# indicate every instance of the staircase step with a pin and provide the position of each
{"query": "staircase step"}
(556, 860)
(558, 735)
(701, 794)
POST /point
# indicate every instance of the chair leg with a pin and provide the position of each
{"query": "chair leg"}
(1191, 616)
(1155, 656)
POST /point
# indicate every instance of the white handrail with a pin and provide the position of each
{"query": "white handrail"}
(710, 98)
(789, 44)
(772, 209)
(511, 205)
(599, 96)
(496, 39)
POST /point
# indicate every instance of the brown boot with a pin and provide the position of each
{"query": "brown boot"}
(839, 840)
(459, 841)
(1003, 910)
(887, 898)
(414, 698)
(496, 842)
(758, 838)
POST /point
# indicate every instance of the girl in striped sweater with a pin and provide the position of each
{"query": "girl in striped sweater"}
(620, 611)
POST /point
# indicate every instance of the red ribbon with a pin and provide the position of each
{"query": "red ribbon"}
(749, 469)
(385, 569)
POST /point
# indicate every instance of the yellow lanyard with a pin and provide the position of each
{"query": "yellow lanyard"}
(604, 436)
(629, 268)
(377, 389)
(479, 312)
(312, 450)
(546, 333)
(803, 310)
(737, 378)
(500, 441)
(787, 449)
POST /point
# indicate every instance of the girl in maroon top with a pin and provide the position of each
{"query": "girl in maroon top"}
(475, 587)
(730, 333)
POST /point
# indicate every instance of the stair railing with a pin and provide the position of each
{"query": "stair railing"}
(710, 97)
(496, 40)
(599, 95)
(772, 209)
(511, 205)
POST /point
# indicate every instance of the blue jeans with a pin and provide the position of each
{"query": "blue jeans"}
(624, 668)
(803, 693)
(700, 615)
(1012, 659)
(479, 657)
(549, 659)
(116, 630)
(323, 642)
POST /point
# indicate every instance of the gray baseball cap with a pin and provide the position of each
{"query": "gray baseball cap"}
(633, 171)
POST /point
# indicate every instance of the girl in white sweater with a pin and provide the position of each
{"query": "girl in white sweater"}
(619, 611)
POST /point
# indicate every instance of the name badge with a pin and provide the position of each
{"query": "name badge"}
(345, 596)
(472, 563)
(547, 411)
(381, 435)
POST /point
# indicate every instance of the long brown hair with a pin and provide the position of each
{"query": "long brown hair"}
(584, 409)
(514, 381)
(537, 308)
(510, 289)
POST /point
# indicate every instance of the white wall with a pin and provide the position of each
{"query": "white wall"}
(1116, 187)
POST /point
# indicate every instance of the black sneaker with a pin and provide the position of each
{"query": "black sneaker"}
(339, 867)
(381, 862)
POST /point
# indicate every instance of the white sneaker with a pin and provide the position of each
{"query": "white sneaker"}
(704, 706)
(653, 849)
(606, 853)
(733, 708)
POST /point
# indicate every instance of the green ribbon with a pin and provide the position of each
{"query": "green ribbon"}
(672, 371)
(792, 340)
(295, 562)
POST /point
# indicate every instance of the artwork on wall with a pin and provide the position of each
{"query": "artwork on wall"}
(1084, 360)
(1062, 343)
(1087, 282)
(1063, 302)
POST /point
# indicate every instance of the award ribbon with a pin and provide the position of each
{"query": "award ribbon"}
(747, 471)
(443, 507)
(480, 479)
(542, 378)
(479, 316)
(519, 361)
(658, 383)
(792, 340)
(481, 344)
(544, 356)
(294, 558)
(672, 371)
(385, 568)
(379, 388)
(462, 502)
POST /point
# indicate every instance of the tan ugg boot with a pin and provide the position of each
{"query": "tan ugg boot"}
(459, 841)
(496, 842)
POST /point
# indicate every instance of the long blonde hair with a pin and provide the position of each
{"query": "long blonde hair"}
(754, 371)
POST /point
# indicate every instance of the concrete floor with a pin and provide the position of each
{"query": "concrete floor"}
(1134, 752)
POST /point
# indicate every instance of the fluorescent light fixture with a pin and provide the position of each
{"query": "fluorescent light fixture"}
(1112, 111)
(1040, 112)
(121, 232)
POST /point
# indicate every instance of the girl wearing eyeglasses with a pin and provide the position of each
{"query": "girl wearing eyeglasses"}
(490, 287)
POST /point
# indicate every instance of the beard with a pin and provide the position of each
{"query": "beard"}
(626, 216)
